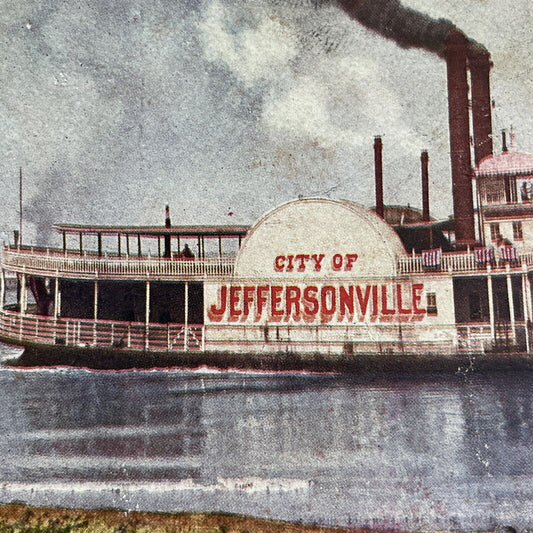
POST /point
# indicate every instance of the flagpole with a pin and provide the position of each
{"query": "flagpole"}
(20, 207)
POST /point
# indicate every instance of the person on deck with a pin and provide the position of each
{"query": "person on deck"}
(186, 253)
(501, 241)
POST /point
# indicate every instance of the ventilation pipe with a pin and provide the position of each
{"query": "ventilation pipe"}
(378, 166)
(424, 160)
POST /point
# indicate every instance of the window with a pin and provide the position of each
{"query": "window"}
(431, 303)
(517, 231)
(494, 231)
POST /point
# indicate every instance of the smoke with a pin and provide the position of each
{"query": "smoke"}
(407, 27)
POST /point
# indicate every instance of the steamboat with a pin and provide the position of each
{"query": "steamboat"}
(313, 276)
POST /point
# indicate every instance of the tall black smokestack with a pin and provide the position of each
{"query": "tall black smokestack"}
(378, 167)
(168, 224)
(424, 161)
(480, 65)
(456, 47)
(409, 28)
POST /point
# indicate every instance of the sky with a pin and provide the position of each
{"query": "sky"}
(225, 109)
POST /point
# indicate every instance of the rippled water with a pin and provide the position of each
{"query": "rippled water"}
(443, 453)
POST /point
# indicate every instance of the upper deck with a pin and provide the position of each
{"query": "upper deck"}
(90, 265)
(120, 252)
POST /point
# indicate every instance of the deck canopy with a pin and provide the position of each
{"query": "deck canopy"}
(154, 231)
(170, 236)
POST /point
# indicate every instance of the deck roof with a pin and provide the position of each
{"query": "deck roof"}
(154, 231)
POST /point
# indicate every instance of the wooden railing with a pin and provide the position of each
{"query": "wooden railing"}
(47, 263)
(461, 262)
(80, 332)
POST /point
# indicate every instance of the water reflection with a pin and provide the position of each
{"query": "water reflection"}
(400, 449)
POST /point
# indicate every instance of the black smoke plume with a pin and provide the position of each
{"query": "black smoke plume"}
(407, 27)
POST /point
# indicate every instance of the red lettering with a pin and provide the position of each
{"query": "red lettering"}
(279, 263)
(375, 310)
(317, 259)
(350, 260)
(328, 302)
(260, 301)
(292, 299)
(302, 258)
(384, 309)
(346, 302)
(215, 314)
(363, 300)
(310, 302)
(336, 262)
(417, 297)
(290, 265)
(275, 300)
(234, 298)
(401, 310)
(248, 298)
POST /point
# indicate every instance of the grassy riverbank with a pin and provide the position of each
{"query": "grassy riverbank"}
(19, 518)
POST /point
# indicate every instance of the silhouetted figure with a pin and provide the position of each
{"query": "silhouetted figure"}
(187, 252)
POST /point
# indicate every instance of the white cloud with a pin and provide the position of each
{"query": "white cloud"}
(253, 55)
(302, 113)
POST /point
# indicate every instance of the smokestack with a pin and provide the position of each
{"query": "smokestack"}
(504, 141)
(424, 160)
(378, 166)
(480, 65)
(167, 250)
(456, 58)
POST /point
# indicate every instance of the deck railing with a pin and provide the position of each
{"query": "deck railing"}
(47, 263)
(461, 262)
(79, 332)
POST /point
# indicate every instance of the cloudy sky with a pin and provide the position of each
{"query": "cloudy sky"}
(226, 109)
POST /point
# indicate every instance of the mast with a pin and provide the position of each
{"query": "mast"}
(20, 206)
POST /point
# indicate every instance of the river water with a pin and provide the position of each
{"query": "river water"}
(443, 453)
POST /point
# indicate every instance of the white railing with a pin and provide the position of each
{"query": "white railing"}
(47, 263)
(461, 262)
(82, 332)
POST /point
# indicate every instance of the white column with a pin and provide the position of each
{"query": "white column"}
(528, 296)
(147, 314)
(2, 289)
(56, 296)
(511, 301)
(491, 302)
(186, 328)
(23, 294)
(95, 310)
(524, 307)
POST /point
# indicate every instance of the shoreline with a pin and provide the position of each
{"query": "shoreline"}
(369, 364)
(22, 518)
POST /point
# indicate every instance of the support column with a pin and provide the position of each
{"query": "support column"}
(511, 300)
(525, 307)
(56, 296)
(95, 310)
(491, 303)
(186, 326)
(2, 289)
(23, 294)
(147, 315)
